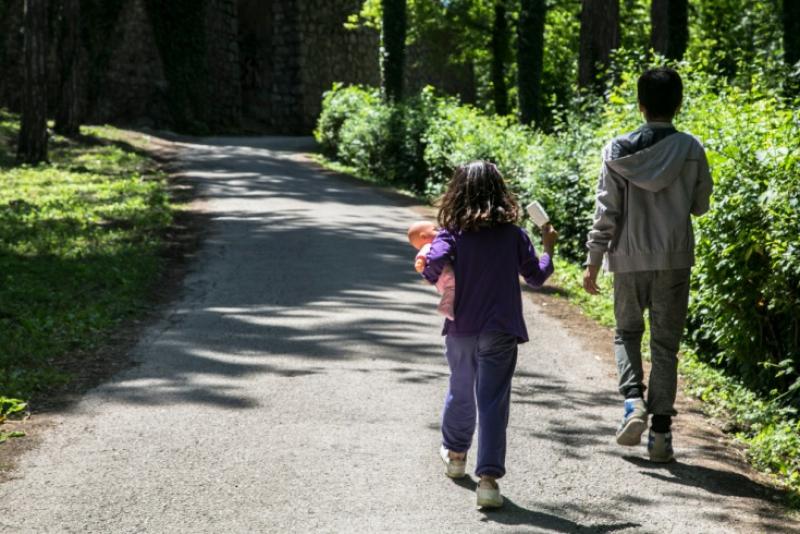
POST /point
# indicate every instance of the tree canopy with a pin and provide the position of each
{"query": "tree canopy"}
(738, 39)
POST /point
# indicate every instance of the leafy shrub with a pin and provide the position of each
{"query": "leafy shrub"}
(382, 141)
(337, 105)
(366, 139)
(747, 298)
(459, 134)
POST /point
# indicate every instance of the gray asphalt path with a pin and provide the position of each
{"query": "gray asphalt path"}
(296, 386)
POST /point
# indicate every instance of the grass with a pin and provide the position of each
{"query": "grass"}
(4, 436)
(569, 277)
(80, 242)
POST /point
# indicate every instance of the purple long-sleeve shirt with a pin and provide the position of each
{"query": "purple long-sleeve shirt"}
(487, 265)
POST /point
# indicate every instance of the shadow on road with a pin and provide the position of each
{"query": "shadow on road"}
(717, 481)
(299, 268)
(513, 514)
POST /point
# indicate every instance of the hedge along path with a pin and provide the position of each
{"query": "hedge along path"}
(297, 385)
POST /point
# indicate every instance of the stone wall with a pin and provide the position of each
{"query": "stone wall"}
(286, 90)
(331, 53)
(292, 52)
(268, 63)
(427, 65)
(255, 62)
(134, 87)
(225, 90)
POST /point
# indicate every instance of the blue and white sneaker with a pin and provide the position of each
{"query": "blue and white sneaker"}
(659, 446)
(634, 423)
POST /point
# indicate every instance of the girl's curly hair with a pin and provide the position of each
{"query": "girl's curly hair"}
(476, 197)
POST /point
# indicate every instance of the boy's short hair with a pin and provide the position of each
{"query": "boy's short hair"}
(660, 91)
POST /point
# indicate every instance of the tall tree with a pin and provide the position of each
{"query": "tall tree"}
(530, 56)
(598, 37)
(393, 48)
(791, 31)
(669, 21)
(499, 46)
(32, 146)
(68, 112)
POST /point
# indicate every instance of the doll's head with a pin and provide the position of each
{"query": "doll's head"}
(421, 233)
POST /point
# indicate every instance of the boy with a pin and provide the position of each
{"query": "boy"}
(652, 180)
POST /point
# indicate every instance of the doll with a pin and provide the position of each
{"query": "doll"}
(421, 235)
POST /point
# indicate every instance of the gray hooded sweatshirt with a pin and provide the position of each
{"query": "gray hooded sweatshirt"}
(645, 201)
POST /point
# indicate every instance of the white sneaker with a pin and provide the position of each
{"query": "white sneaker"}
(452, 468)
(488, 493)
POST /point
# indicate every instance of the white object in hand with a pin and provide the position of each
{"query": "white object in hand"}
(537, 213)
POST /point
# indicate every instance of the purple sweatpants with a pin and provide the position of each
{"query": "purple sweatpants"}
(480, 366)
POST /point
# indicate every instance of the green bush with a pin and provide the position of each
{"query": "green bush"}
(337, 105)
(747, 298)
(381, 141)
(458, 134)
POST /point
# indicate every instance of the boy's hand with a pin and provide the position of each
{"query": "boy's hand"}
(549, 238)
(590, 279)
(419, 264)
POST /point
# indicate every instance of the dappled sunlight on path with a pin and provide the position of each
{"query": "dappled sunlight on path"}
(297, 383)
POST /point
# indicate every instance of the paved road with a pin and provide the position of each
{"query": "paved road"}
(296, 387)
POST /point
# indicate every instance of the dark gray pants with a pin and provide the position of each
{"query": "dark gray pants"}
(666, 295)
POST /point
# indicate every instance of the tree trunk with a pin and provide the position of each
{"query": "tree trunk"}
(393, 48)
(599, 36)
(499, 46)
(670, 27)
(791, 31)
(68, 112)
(530, 56)
(32, 147)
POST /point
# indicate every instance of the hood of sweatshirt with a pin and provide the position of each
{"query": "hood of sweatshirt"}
(655, 167)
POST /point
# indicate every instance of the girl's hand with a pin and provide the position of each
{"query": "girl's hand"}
(549, 238)
(419, 264)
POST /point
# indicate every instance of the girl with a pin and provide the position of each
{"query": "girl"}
(488, 252)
